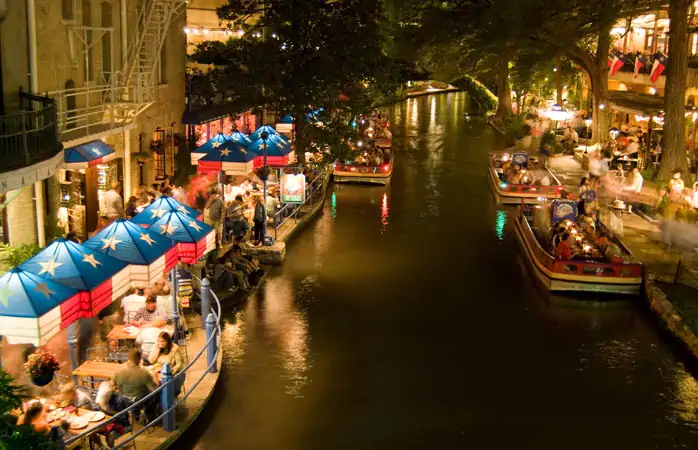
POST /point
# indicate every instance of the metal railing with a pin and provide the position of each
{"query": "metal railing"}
(30, 135)
(212, 324)
(314, 193)
(98, 108)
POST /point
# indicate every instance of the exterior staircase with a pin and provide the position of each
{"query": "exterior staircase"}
(120, 98)
(140, 77)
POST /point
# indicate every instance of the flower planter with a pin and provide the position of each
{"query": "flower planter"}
(42, 379)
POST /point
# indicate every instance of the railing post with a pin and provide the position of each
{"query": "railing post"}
(205, 300)
(211, 346)
(175, 305)
(167, 398)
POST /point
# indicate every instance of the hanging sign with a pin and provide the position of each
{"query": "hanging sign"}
(292, 188)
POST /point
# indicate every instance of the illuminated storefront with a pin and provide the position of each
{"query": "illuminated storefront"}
(90, 169)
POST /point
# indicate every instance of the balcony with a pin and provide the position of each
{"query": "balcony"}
(29, 136)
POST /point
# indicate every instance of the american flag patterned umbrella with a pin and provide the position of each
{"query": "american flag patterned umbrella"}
(33, 309)
(162, 205)
(103, 278)
(195, 239)
(149, 254)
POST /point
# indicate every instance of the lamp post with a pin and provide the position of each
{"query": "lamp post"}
(265, 135)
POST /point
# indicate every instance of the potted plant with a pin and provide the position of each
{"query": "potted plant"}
(263, 172)
(41, 366)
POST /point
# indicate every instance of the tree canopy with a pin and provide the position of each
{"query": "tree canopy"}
(297, 56)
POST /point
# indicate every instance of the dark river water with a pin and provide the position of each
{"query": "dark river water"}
(404, 318)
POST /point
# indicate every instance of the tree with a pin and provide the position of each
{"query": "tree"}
(13, 436)
(296, 56)
(674, 152)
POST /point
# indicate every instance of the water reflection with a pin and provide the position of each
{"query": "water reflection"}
(500, 223)
(287, 327)
(385, 211)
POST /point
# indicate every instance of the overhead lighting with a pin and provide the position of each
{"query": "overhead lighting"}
(241, 33)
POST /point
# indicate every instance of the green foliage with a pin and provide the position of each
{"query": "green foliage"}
(53, 229)
(16, 255)
(515, 128)
(477, 91)
(13, 436)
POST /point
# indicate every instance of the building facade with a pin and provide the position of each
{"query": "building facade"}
(111, 76)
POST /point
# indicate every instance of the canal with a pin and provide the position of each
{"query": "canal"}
(404, 318)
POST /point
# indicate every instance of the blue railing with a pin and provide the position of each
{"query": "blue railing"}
(212, 324)
(294, 210)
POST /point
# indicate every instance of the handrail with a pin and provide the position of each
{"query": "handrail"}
(214, 336)
(318, 182)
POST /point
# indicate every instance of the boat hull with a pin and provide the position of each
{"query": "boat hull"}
(562, 282)
(344, 177)
(378, 177)
(516, 198)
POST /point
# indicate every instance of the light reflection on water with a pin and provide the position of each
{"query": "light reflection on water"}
(287, 328)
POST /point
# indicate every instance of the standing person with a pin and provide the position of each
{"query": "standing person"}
(114, 203)
(583, 189)
(258, 219)
(213, 214)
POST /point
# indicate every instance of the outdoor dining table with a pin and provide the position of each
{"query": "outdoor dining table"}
(89, 371)
(119, 332)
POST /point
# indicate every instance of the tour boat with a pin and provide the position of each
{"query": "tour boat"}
(532, 192)
(363, 173)
(581, 274)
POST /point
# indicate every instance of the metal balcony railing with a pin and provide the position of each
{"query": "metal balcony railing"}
(30, 135)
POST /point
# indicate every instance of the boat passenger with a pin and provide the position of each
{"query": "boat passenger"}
(564, 249)
(514, 176)
(602, 242)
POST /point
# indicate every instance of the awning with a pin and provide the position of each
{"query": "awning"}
(88, 155)
(641, 104)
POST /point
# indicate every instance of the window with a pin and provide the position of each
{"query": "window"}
(89, 55)
(106, 13)
(68, 9)
(162, 71)
(159, 159)
(70, 106)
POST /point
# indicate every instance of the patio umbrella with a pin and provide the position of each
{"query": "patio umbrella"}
(214, 143)
(103, 278)
(231, 157)
(33, 309)
(279, 152)
(149, 254)
(258, 133)
(240, 138)
(164, 204)
(195, 239)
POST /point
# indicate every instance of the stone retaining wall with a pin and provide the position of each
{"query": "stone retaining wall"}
(668, 317)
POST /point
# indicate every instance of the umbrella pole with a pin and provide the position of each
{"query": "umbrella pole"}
(73, 348)
(175, 306)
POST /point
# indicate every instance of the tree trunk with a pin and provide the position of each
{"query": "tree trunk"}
(300, 143)
(503, 89)
(599, 87)
(674, 152)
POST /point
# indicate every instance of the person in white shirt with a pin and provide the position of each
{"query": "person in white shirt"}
(636, 181)
(114, 203)
(132, 303)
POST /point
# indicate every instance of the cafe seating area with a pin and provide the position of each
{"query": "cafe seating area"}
(117, 295)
